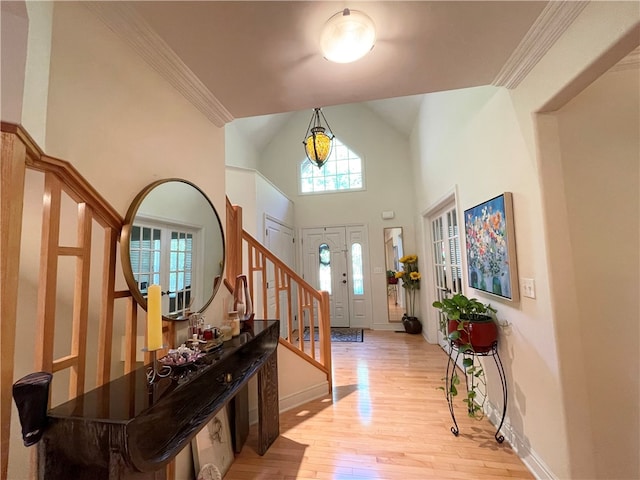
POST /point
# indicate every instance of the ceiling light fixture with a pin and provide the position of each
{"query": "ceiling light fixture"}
(317, 144)
(347, 36)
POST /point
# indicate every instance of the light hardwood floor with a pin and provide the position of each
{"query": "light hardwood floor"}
(385, 420)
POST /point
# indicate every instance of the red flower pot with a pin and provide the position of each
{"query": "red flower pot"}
(481, 333)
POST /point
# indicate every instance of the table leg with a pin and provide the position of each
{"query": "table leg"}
(268, 404)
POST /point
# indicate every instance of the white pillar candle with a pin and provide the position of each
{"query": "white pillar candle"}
(154, 318)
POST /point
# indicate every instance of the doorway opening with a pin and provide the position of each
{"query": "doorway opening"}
(335, 259)
(442, 246)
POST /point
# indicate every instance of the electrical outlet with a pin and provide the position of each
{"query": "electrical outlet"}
(528, 287)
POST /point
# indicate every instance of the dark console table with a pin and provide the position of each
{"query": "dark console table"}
(127, 429)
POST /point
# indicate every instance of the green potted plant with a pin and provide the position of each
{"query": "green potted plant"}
(472, 329)
(470, 323)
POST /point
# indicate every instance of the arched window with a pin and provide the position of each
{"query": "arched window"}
(342, 171)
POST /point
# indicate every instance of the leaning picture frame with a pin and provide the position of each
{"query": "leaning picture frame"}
(491, 247)
(212, 448)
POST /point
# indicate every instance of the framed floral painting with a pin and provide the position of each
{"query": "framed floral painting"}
(491, 248)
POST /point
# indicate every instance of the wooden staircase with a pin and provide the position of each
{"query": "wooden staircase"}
(301, 302)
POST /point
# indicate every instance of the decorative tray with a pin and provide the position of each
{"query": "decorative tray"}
(181, 357)
(211, 345)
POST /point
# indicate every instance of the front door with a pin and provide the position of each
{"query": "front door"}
(335, 260)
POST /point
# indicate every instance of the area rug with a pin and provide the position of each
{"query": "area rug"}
(339, 334)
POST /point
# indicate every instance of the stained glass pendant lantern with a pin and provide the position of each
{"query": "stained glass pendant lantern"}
(318, 139)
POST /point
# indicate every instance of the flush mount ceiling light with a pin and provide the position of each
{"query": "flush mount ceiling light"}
(347, 36)
(317, 144)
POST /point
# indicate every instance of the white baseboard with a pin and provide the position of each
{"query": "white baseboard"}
(295, 399)
(389, 327)
(520, 445)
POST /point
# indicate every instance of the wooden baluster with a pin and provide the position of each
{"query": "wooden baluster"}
(105, 330)
(81, 301)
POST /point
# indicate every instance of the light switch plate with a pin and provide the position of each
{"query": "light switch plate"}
(528, 287)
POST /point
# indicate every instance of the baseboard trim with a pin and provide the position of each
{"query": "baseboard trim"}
(295, 399)
(538, 468)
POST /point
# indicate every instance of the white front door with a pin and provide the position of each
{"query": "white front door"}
(335, 259)
(279, 240)
(325, 267)
(447, 261)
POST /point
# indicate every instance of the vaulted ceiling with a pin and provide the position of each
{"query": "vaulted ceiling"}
(238, 59)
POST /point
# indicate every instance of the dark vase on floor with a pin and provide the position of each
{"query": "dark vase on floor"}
(411, 324)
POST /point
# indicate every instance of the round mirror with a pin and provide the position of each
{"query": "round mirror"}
(172, 236)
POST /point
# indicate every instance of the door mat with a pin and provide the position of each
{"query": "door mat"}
(339, 334)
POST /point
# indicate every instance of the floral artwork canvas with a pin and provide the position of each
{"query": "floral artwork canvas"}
(491, 258)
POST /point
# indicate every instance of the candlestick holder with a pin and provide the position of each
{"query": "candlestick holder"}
(153, 373)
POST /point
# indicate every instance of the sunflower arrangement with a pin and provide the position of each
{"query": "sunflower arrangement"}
(410, 280)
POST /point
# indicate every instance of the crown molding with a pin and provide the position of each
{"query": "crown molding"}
(630, 62)
(545, 31)
(123, 20)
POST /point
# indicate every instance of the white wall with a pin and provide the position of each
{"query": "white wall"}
(241, 190)
(238, 151)
(258, 198)
(134, 125)
(34, 114)
(13, 52)
(600, 148)
(603, 34)
(470, 140)
(273, 203)
(385, 154)
(483, 141)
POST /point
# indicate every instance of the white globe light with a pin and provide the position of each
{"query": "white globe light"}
(347, 36)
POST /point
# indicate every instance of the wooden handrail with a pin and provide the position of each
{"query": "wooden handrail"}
(76, 185)
(281, 265)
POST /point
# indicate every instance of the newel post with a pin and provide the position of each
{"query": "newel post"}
(12, 166)
(234, 243)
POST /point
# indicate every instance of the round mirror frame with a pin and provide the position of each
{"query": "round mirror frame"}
(125, 242)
